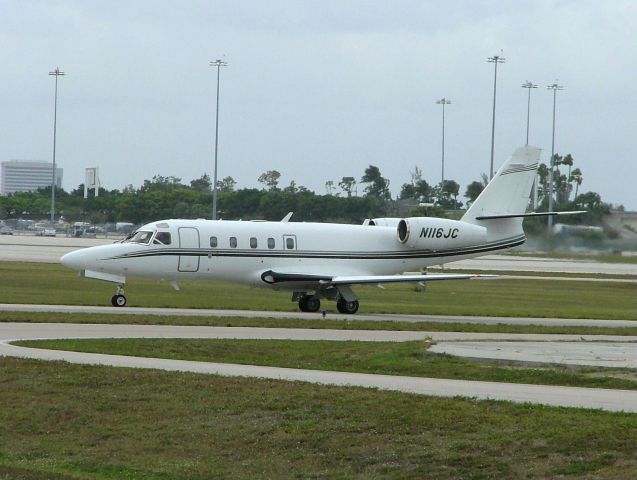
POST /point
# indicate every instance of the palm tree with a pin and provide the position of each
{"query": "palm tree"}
(576, 177)
(568, 160)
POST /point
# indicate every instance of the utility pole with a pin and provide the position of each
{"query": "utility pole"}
(555, 87)
(56, 73)
(443, 102)
(495, 60)
(218, 64)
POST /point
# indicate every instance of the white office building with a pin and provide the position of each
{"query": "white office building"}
(27, 176)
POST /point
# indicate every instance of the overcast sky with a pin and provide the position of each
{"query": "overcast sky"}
(318, 90)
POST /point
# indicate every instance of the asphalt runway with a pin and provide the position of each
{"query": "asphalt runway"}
(31, 248)
(611, 400)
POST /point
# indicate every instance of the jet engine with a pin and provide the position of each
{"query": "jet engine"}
(382, 222)
(439, 233)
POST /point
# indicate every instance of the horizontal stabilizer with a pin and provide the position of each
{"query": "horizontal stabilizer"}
(530, 214)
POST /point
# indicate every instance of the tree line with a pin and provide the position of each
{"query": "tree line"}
(168, 197)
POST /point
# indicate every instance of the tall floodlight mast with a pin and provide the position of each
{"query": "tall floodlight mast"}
(443, 102)
(528, 85)
(56, 73)
(218, 64)
(555, 87)
(495, 60)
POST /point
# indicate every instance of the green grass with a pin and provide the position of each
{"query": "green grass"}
(53, 284)
(391, 358)
(64, 421)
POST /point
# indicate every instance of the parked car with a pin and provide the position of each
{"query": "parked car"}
(4, 230)
(48, 232)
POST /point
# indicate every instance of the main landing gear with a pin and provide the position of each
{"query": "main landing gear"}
(118, 300)
(346, 300)
(309, 303)
(344, 306)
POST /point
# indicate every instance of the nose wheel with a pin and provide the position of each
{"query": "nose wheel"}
(118, 300)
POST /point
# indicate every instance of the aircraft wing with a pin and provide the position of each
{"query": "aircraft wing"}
(363, 279)
(326, 280)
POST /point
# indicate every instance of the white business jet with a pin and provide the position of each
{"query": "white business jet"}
(319, 260)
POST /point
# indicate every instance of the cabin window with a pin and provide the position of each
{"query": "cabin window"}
(213, 242)
(141, 236)
(233, 242)
(253, 242)
(162, 238)
(289, 243)
(271, 243)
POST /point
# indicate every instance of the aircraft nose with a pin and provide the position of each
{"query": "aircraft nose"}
(73, 260)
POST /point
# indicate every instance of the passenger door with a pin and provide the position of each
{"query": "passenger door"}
(189, 244)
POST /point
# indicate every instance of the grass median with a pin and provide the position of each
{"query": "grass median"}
(391, 358)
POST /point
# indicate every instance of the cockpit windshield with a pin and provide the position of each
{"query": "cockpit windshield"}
(162, 238)
(141, 236)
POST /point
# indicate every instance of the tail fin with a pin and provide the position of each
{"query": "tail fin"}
(507, 193)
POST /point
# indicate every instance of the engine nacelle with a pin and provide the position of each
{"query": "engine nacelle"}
(383, 222)
(439, 233)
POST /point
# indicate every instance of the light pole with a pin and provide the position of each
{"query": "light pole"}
(443, 102)
(56, 73)
(495, 60)
(555, 87)
(528, 85)
(218, 64)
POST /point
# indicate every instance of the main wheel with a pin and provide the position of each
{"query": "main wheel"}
(118, 300)
(309, 303)
(344, 306)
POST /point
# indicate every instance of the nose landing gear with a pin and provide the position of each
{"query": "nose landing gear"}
(118, 300)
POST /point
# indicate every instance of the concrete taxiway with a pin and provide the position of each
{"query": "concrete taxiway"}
(601, 353)
(505, 263)
(202, 312)
(611, 400)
